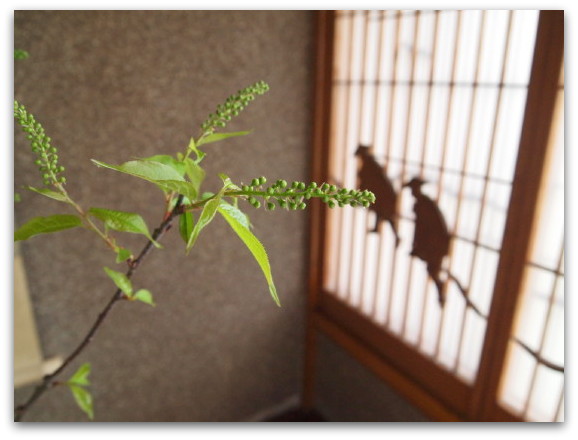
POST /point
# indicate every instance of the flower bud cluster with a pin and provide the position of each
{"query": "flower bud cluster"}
(233, 106)
(294, 196)
(47, 160)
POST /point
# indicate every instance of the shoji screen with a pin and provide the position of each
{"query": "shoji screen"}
(439, 96)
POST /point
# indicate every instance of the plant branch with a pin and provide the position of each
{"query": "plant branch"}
(47, 381)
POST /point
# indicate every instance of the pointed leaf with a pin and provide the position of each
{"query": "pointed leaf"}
(122, 254)
(168, 160)
(195, 173)
(164, 176)
(83, 399)
(145, 169)
(198, 153)
(185, 188)
(121, 281)
(46, 225)
(49, 193)
(215, 137)
(123, 221)
(236, 213)
(186, 223)
(255, 247)
(145, 296)
(207, 215)
(80, 377)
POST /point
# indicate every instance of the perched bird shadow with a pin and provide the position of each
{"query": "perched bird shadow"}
(372, 177)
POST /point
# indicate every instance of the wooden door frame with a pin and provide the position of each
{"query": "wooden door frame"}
(371, 345)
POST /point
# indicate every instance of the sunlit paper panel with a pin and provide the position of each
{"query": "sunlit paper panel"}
(460, 132)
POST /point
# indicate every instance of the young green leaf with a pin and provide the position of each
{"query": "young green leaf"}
(123, 221)
(187, 189)
(216, 137)
(208, 212)
(80, 377)
(198, 153)
(207, 215)
(165, 177)
(186, 223)
(170, 161)
(46, 225)
(145, 296)
(195, 173)
(121, 281)
(236, 213)
(145, 169)
(122, 254)
(254, 246)
(83, 399)
(49, 193)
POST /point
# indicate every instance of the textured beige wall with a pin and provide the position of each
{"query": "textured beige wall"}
(118, 85)
(348, 392)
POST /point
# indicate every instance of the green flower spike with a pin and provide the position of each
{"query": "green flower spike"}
(47, 161)
(295, 196)
(233, 106)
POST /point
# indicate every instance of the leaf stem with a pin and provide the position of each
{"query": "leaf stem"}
(47, 381)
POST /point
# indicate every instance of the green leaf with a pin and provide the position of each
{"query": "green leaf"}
(186, 223)
(207, 215)
(185, 188)
(236, 213)
(49, 193)
(254, 246)
(164, 176)
(46, 225)
(170, 161)
(145, 169)
(145, 296)
(198, 153)
(215, 137)
(122, 254)
(121, 281)
(195, 173)
(83, 399)
(123, 221)
(80, 377)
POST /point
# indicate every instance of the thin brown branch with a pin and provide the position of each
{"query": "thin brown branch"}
(541, 360)
(48, 380)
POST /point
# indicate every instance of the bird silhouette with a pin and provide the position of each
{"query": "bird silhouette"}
(431, 240)
(372, 177)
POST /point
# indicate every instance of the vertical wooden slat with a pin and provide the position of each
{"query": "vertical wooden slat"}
(464, 167)
(405, 149)
(339, 217)
(536, 128)
(444, 156)
(375, 124)
(373, 311)
(353, 264)
(423, 159)
(558, 414)
(551, 300)
(388, 150)
(325, 26)
(496, 119)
